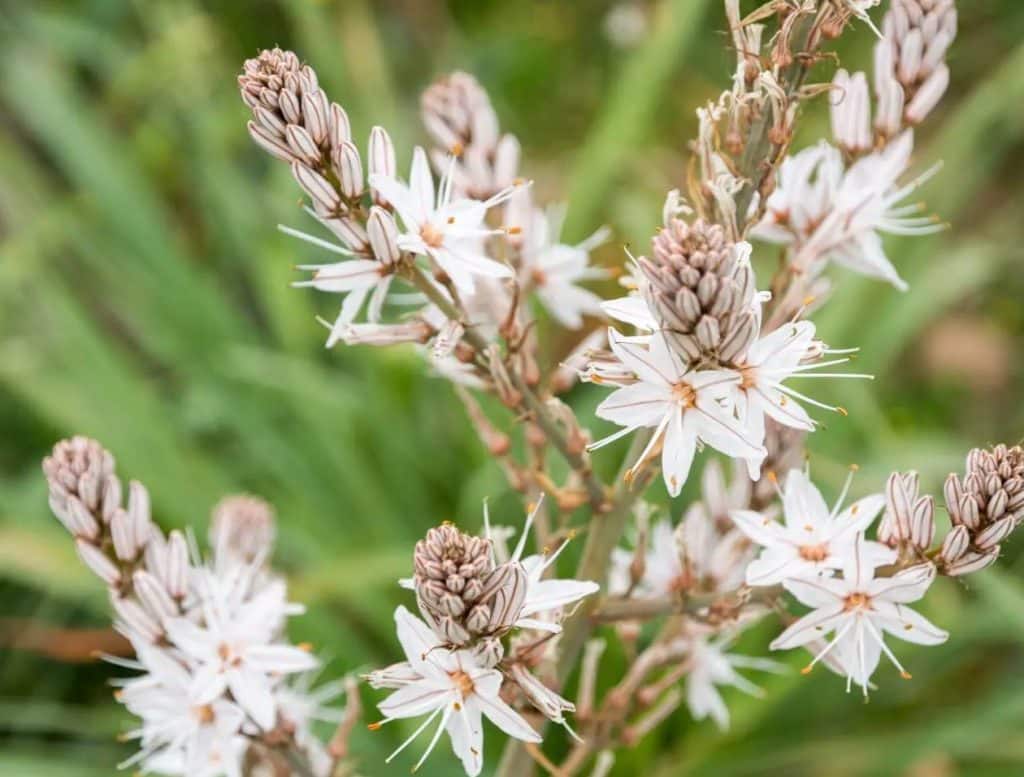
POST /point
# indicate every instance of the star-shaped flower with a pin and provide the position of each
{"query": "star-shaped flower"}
(685, 407)
(859, 609)
(814, 540)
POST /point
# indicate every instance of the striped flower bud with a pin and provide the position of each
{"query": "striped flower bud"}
(293, 120)
(242, 529)
(700, 287)
(985, 506)
(916, 36)
(461, 121)
(461, 592)
(909, 519)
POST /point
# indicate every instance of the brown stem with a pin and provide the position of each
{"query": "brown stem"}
(531, 402)
(760, 154)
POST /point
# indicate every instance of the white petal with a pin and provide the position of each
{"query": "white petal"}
(802, 503)
(784, 409)
(631, 310)
(553, 594)
(197, 643)
(822, 592)
(858, 516)
(908, 624)
(641, 361)
(778, 565)
(279, 659)
(720, 429)
(345, 276)
(678, 452)
(640, 404)
(467, 736)
(760, 529)
(810, 627)
(908, 585)
(421, 183)
(505, 718)
(417, 699)
(251, 690)
(419, 642)
(401, 197)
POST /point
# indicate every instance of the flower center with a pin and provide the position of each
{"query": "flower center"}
(814, 552)
(748, 378)
(431, 235)
(463, 682)
(856, 602)
(227, 655)
(684, 394)
(538, 277)
(204, 713)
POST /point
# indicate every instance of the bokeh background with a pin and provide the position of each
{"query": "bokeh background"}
(145, 300)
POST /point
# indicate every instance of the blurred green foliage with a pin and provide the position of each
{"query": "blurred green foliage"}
(144, 300)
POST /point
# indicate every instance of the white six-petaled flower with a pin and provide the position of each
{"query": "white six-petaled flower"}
(554, 269)
(451, 232)
(859, 609)
(453, 686)
(813, 540)
(685, 407)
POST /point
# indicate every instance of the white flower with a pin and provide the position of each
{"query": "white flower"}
(449, 232)
(545, 597)
(831, 214)
(859, 609)
(814, 540)
(453, 686)
(684, 406)
(235, 649)
(553, 269)
(771, 360)
(711, 666)
(184, 728)
(806, 190)
(300, 705)
(357, 279)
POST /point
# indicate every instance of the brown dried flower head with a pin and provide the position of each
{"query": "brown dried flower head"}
(700, 287)
(984, 507)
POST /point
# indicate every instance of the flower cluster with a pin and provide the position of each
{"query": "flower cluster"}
(460, 260)
(475, 228)
(804, 553)
(707, 372)
(833, 202)
(456, 670)
(209, 638)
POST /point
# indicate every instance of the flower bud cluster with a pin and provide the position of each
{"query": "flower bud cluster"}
(911, 74)
(909, 519)
(463, 594)
(293, 120)
(460, 119)
(146, 573)
(985, 506)
(208, 638)
(700, 287)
